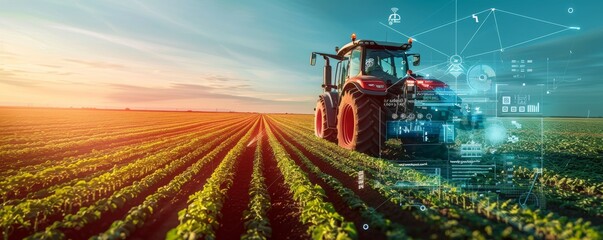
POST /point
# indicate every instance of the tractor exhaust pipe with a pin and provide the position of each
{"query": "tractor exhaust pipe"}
(327, 76)
(327, 84)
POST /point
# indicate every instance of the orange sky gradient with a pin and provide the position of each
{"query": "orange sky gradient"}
(145, 56)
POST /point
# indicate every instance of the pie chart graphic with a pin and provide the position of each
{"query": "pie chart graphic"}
(480, 77)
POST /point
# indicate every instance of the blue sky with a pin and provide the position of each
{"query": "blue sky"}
(253, 56)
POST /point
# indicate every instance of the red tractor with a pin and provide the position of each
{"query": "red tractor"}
(376, 97)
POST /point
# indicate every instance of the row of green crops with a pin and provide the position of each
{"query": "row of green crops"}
(568, 193)
(324, 222)
(374, 219)
(106, 139)
(200, 219)
(479, 210)
(257, 225)
(34, 145)
(341, 160)
(87, 215)
(33, 213)
(14, 160)
(65, 170)
(138, 215)
(564, 182)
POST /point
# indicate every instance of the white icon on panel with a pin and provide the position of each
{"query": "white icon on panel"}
(394, 17)
(506, 99)
(534, 108)
(522, 99)
(522, 109)
(505, 108)
(513, 108)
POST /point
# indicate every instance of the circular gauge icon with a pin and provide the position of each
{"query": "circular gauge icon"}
(419, 116)
(411, 116)
(481, 77)
(394, 116)
(428, 116)
(402, 116)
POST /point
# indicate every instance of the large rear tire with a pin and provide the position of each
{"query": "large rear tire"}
(321, 124)
(361, 123)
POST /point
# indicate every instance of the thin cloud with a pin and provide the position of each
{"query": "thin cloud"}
(142, 46)
(10, 78)
(231, 87)
(151, 12)
(19, 83)
(60, 73)
(178, 91)
(97, 64)
(50, 65)
(217, 78)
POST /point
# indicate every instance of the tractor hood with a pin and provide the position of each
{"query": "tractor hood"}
(369, 82)
(424, 84)
(432, 90)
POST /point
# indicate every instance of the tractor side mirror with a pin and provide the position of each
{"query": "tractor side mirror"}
(416, 60)
(313, 59)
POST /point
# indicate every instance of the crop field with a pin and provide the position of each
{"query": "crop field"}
(100, 174)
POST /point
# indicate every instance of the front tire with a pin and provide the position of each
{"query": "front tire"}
(321, 124)
(361, 123)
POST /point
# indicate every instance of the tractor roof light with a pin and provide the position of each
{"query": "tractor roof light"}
(353, 37)
(409, 40)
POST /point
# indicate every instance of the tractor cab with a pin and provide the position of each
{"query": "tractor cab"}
(368, 63)
(376, 96)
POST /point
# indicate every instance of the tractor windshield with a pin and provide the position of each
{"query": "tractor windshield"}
(388, 65)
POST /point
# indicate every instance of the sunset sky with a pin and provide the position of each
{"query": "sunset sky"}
(247, 55)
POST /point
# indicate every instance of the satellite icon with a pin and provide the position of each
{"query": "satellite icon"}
(455, 66)
(456, 70)
(394, 17)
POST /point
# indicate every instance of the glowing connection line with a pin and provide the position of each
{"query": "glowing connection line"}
(497, 31)
(480, 27)
(453, 22)
(517, 44)
(473, 16)
(414, 39)
(532, 18)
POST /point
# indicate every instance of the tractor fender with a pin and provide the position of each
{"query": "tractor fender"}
(331, 103)
(352, 84)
